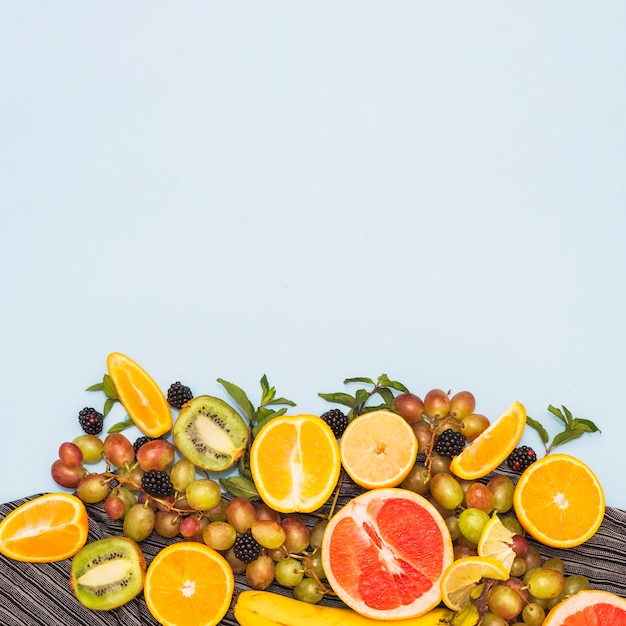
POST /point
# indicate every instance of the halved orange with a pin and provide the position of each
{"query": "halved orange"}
(189, 584)
(559, 501)
(590, 607)
(464, 574)
(49, 528)
(378, 449)
(384, 554)
(496, 541)
(492, 446)
(294, 460)
(140, 395)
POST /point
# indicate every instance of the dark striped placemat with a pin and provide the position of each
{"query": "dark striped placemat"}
(39, 594)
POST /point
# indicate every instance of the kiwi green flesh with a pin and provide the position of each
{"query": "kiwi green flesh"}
(210, 433)
(108, 573)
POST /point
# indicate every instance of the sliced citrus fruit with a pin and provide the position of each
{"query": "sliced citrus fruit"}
(49, 528)
(464, 574)
(559, 501)
(139, 394)
(189, 584)
(295, 464)
(496, 541)
(384, 554)
(590, 607)
(378, 449)
(492, 446)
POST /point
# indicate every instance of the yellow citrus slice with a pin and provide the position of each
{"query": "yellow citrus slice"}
(496, 542)
(378, 449)
(590, 607)
(464, 574)
(378, 563)
(492, 446)
(295, 464)
(559, 501)
(189, 584)
(49, 528)
(139, 394)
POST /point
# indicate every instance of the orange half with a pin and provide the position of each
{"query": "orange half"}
(139, 394)
(189, 584)
(559, 501)
(492, 446)
(295, 463)
(49, 528)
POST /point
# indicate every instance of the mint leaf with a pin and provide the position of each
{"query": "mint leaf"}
(358, 379)
(96, 387)
(240, 398)
(108, 405)
(240, 487)
(340, 398)
(543, 433)
(587, 425)
(567, 435)
(557, 412)
(109, 388)
(280, 401)
(120, 426)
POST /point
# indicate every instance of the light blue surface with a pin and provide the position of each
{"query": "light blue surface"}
(313, 191)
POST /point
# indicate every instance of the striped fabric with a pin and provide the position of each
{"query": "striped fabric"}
(39, 594)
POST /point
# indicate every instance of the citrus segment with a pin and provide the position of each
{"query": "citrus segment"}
(559, 501)
(189, 584)
(378, 449)
(384, 554)
(590, 607)
(295, 463)
(49, 528)
(139, 394)
(492, 446)
(464, 574)
(496, 541)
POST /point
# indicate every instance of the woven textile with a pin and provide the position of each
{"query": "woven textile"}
(39, 594)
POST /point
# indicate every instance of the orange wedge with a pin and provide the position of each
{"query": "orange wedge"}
(464, 574)
(378, 449)
(189, 584)
(139, 394)
(295, 463)
(49, 528)
(492, 446)
(559, 501)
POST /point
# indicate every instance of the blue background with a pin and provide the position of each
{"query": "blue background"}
(313, 191)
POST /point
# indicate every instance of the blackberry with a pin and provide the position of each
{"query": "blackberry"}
(449, 443)
(140, 441)
(521, 458)
(246, 548)
(91, 421)
(178, 394)
(337, 421)
(156, 483)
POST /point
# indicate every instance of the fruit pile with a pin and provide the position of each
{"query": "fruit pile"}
(390, 508)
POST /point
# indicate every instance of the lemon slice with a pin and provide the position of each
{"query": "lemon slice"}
(496, 542)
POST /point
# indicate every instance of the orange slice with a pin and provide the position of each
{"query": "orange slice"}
(590, 607)
(496, 541)
(139, 394)
(377, 563)
(295, 463)
(49, 528)
(464, 574)
(492, 446)
(559, 501)
(189, 584)
(378, 449)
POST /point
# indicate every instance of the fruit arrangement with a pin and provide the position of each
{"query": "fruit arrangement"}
(392, 507)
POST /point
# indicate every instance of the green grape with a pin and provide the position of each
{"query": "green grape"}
(533, 614)
(139, 522)
(288, 572)
(574, 584)
(308, 590)
(545, 584)
(504, 601)
(446, 491)
(471, 523)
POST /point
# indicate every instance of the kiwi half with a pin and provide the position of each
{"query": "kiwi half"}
(108, 573)
(210, 433)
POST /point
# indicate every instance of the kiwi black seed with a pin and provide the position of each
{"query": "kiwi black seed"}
(210, 433)
(108, 573)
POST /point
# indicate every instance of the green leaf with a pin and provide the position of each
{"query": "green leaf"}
(539, 428)
(108, 405)
(266, 416)
(387, 395)
(568, 414)
(280, 401)
(557, 412)
(265, 386)
(567, 435)
(108, 387)
(358, 379)
(240, 397)
(587, 425)
(96, 387)
(240, 487)
(120, 426)
(394, 384)
(361, 396)
(340, 398)
(377, 407)
(244, 466)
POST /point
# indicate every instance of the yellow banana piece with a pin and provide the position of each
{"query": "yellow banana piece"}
(265, 608)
